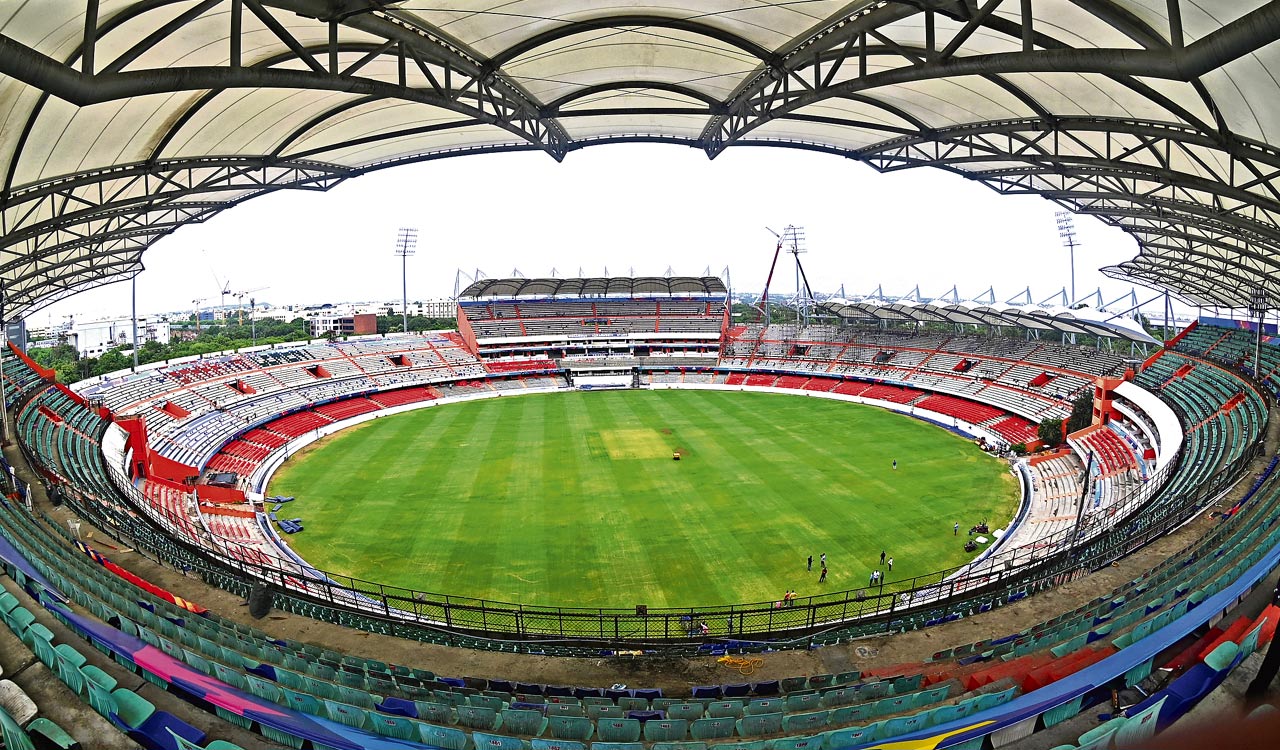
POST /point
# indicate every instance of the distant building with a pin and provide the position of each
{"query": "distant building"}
(427, 308)
(96, 337)
(344, 325)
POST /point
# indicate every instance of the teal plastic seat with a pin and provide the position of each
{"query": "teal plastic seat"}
(51, 735)
(345, 713)
(566, 709)
(303, 702)
(666, 730)
(12, 734)
(520, 721)
(552, 744)
(571, 727)
(497, 742)
(1222, 656)
(1100, 736)
(132, 709)
(757, 726)
(806, 723)
(485, 719)
(398, 727)
(712, 728)
(853, 714)
(69, 662)
(905, 724)
(685, 711)
(804, 702)
(485, 701)
(436, 713)
(444, 737)
(101, 698)
(282, 737)
(597, 711)
(616, 730)
(98, 677)
(18, 619)
(764, 706)
(812, 742)
(725, 709)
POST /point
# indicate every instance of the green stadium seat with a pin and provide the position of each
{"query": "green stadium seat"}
(101, 698)
(69, 662)
(687, 745)
(813, 742)
(764, 706)
(852, 714)
(804, 702)
(712, 729)
(263, 688)
(1101, 737)
(905, 724)
(689, 711)
(805, 723)
(850, 736)
(343, 713)
(666, 730)
(131, 708)
(629, 703)
(596, 711)
(749, 745)
(282, 737)
(519, 721)
(486, 701)
(565, 709)
(617, 746)
(436, 713)
(546, 744)
(570, 727)
(40, 640)
(616, 730)
(19, 619)
(760, 725)
(304, 702)
(387, 725)
(725, 709)
(486, 741)
(12, 735)
(444, 737)
(98, 677)
(792, 684)
(1221, 657)
(50, 735)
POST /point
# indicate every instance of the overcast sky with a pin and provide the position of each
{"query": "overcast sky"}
(628, 208)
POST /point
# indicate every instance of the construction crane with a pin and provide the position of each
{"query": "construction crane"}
(197, 302)
(240, 301)
(224, 288)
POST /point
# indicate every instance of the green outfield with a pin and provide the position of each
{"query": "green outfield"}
(573, 499)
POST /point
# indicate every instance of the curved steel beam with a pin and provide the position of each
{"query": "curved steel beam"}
(620, 22)
(553, 107)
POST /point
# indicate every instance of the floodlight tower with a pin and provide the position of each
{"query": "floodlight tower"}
(793, 238)
(1067, 231)
(1259, 303)
(406, 240)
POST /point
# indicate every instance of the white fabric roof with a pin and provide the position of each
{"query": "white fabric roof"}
(122, 120)
(1056, 319)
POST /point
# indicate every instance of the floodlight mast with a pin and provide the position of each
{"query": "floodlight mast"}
(406, 240)
(1067, 231)
(1258, 306)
